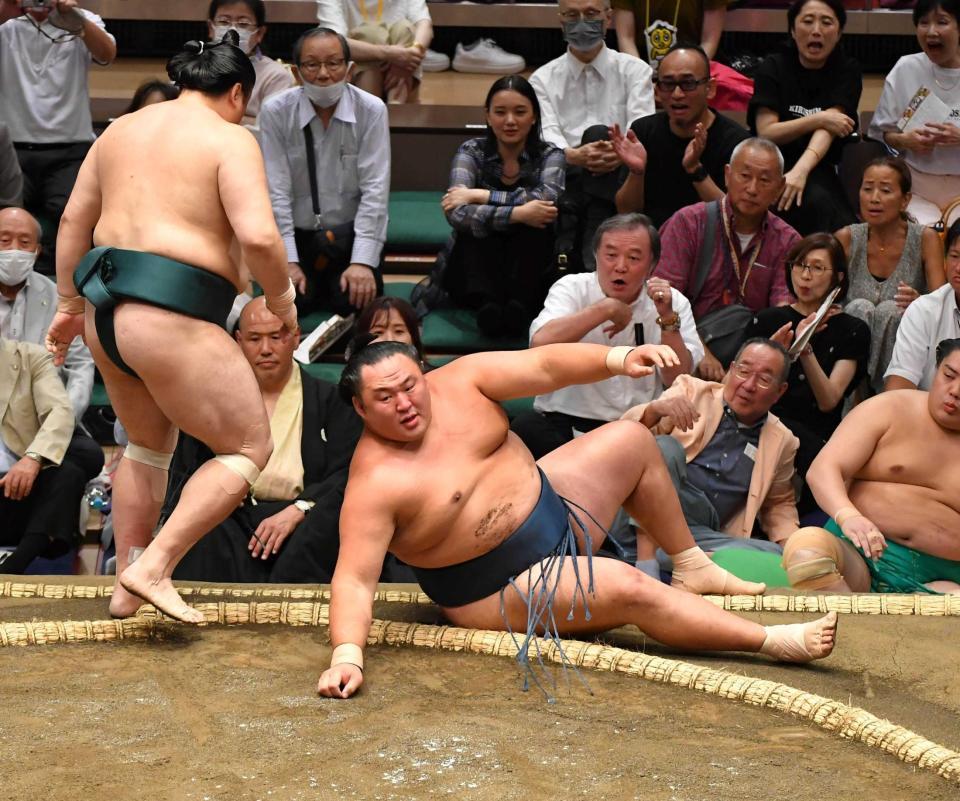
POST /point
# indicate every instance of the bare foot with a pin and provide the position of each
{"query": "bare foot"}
(801, 642)
(123, 603)
(696, 572)
(159, 591)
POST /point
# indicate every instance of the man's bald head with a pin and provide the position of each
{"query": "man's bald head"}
(256, 312)
(20, 227)
(266, 344)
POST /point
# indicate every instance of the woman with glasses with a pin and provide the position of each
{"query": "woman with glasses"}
(805, 99)
(248, 19)
(932, 151)
(835, 360)
(892, 258)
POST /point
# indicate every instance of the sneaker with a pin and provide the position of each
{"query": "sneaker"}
(485, 56)
(435, 62)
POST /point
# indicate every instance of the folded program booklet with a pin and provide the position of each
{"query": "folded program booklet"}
(322, 337)
(801, 342)
(923, 107)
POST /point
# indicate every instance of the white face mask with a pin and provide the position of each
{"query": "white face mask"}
(324, 96)
(245, 36)
(15, 266)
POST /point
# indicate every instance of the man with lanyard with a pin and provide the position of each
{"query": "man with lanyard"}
(667, 23)
(749, 243)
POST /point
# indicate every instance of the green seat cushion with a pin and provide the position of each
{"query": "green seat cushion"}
(517, 406)
(99, 395)
(310, 321)
(325, 371)
(752, 565)
(456, 330)
(398, 289)
(416, 221)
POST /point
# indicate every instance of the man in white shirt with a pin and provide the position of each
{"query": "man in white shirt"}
(927, 321)
(388, 39)
(619, 304)
(582, 94)
(45, 53)
(334, 243)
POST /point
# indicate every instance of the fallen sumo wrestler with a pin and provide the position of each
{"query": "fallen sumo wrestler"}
(173, 196)
(502, 542)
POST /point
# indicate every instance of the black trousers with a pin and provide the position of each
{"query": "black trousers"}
(543, 432)
(49, 174)
(323, 285)
(825, 206)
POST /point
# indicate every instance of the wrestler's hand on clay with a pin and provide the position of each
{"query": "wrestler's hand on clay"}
(273, 532)
(683, 413)
(358, 282)
(642, 360)
(340, 681)
(63, 329)
(865, 535)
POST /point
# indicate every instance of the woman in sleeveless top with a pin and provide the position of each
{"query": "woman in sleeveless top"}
(502, 206)
(892, 260)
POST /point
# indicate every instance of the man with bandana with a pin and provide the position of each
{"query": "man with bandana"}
(340, 135)
(582, 94)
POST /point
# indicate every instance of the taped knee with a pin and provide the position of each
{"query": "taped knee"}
(158, 459)
(241, 465)
(813, 559)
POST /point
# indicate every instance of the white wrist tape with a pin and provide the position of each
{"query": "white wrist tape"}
(617, 358)
(281, 304)
(71, 305)
(347, 654)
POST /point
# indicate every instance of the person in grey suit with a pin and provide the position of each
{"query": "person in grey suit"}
(28, 301)
(11, 179)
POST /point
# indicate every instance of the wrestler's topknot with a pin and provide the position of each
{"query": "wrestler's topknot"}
(213, 68)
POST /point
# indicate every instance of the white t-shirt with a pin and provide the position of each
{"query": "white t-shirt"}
(345, 15)
(44, 93)
(927, 321)
(909, 74)
(609, 399)
(613, 88)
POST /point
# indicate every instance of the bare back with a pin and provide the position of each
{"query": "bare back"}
(159, 176)
(908, 485)
(456, 494)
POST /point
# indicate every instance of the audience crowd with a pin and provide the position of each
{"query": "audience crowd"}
(610, 200)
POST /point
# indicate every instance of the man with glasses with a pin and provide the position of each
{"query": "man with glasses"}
(582, 94)
(691, 142)
(46, 49)
(730, 459)
(248, 19)
(326, 145)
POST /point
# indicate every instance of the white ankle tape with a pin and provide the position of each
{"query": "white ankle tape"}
(241, 465)
(158, 459)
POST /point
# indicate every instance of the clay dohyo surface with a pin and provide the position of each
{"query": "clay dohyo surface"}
(231, 713)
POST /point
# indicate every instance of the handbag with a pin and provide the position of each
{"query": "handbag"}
(321, 246)
(723, 330)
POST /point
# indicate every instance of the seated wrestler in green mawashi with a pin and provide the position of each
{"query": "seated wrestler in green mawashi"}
(165, 193)
(890, 478)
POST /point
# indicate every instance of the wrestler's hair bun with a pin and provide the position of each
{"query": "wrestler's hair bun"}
(212, 67)
(231, 37)
(193, 47)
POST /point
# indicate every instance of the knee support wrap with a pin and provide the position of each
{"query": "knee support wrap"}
(241, 465)
(813, 558)
(158, 459)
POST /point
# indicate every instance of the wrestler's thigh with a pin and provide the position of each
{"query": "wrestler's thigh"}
(143, 421)
(621, 593)
(196, 373)
(601, 469)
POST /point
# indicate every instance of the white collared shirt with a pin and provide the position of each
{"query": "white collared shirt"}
(44, 92)
(345, 15)
(609, 399)
(930, 319)
(353, 167)
(613, 88)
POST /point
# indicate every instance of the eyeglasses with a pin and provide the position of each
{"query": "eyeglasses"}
(314, 67)
(764, 380)
(687, 85)
(813, 269)
(589, 15)
(239, 24)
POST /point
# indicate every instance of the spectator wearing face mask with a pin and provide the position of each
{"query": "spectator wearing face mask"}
(248, 19)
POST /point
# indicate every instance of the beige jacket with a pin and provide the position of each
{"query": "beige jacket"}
(771, 493)
(35, 411)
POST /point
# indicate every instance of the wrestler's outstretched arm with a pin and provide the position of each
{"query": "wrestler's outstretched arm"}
(73, 240)
(366, 528)
(517, 374)
(847, 451)
(243, 193)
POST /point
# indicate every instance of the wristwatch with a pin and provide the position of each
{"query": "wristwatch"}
(698, 175)
(669, 323)
(35, 456)
(304, 506)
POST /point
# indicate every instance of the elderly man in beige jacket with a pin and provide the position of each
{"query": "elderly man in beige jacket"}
(730, 459)
(39, 493)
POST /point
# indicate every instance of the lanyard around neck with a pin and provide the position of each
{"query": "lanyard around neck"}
(362, 5)
(734, 258)
(676, 14)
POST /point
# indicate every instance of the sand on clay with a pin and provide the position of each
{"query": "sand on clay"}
(217, 713)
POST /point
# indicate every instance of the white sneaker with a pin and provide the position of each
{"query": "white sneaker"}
(485, 56)
(435, 62)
